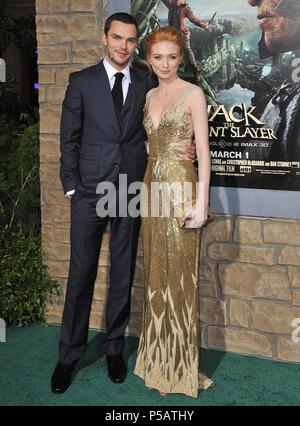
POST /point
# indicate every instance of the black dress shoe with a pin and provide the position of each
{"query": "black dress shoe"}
(116, 368)
(62, 377)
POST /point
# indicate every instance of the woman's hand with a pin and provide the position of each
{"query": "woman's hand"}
(191, 151)
(196, 217)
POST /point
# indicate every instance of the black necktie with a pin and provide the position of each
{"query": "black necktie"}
(117, 92)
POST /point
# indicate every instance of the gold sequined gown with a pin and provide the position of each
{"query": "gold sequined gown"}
(167, 358)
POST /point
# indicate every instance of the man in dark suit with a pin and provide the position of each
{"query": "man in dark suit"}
(102, 137)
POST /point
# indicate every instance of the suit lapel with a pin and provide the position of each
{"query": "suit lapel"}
(104, 96)
(103, 93)
(136, 91)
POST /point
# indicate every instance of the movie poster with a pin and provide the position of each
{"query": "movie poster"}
(245, 54)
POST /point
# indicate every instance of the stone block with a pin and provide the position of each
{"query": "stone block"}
(207, 278)
(137, 298)
(104, 258)
(56, 95)
(52, 319)
(82, 5)
(54, 310)
(103, 275)
(62, 235)
(296, 297)
(98, 307)
(247, 231)
(105, 241)
(294, 275)
(218, 230)
(51, 6)
(248, 281)
(47, 214)
(57, 269)
(272, 317)
(49, 176)
(207, 270)
(48, 234)
(56, 251)
(100, 291)
(53, 29)
(282, 233)
(239, 313)
(61, 216)
(49, 149)
(42, 95)
(84, 28)
(134, 325)
(58, 29)
(212, 311)
(55, 197)
(289, 255)
(50, 55)
(140, 251)
(46, 75)
(88, 54)
(240, 253)
(50, 120)
(139, 270)
(239, 341)
(97, 321)
(62, 75)
(287, 350)
(206, 288)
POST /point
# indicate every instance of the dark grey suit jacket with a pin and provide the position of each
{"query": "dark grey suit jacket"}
(94, 146)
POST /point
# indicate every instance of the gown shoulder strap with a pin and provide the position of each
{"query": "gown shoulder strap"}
(148, 97)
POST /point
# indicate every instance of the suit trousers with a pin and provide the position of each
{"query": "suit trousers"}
(87, 230)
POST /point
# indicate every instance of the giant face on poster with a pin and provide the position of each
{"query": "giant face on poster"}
(245, 54)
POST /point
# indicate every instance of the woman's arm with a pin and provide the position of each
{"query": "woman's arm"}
(148, 95)
(198, 108)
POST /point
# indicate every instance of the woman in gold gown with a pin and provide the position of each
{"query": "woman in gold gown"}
(168, 353)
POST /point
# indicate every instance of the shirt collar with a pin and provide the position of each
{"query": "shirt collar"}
(111, 71)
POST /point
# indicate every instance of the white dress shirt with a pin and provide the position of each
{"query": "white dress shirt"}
(111, 71)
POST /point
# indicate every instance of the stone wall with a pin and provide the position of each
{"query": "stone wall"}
(249, 270)
(69, 39)
(250, 286)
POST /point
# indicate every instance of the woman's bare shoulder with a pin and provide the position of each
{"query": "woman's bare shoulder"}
(196, 90)
(148, 95)
(195, 95)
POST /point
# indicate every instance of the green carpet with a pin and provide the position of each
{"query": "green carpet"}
(29, 356)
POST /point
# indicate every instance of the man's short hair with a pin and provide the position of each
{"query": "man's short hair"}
(121, 17)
